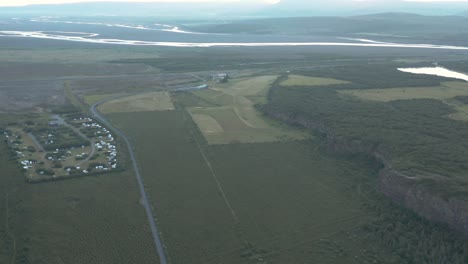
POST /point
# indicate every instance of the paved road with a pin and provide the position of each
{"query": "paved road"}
(144, 197)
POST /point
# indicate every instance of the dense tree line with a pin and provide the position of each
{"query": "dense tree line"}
(415, 136)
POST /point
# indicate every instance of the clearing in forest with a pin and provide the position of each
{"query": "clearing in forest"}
(444, 91)
(232, 117)
(300, 80)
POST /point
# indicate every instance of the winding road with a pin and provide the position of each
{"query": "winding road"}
(144, 197)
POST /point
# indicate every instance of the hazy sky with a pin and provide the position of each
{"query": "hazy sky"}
(30, 2)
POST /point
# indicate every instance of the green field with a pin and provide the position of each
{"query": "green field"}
(226, 113)
(445, 91)
(300, 80)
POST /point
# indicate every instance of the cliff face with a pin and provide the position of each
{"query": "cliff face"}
(405, 190)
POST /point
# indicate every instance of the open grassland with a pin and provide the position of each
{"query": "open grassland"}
(87, 220)
(300, 80)
(91, 99)
(444, 91)
(209, 123)
(155, 101)
(294, 203)
(283, 202)
(226, 113)
(10, 226)
(67, 55)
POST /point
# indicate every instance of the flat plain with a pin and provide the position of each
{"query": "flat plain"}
(275, 202)
(154, 101)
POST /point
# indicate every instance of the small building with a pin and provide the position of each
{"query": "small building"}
(221, 77)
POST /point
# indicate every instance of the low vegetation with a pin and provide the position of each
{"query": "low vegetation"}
(155, 101)
(237, 197)
(299, 80)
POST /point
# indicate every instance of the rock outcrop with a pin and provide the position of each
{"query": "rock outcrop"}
(406, 190)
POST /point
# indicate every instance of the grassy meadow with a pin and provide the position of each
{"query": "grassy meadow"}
(445, 91)
(450, 93)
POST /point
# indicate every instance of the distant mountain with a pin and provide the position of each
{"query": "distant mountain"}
(241, 9)
(180, 10)
(288, 8)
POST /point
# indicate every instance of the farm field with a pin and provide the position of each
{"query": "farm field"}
(300, 80)
(444, 91)
(447, 92)
(290, 202)
(155, 101)
(227, 113)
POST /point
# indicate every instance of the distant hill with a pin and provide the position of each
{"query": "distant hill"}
(398, 27)
(241, 9)
(373, 23)
(196, 10)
